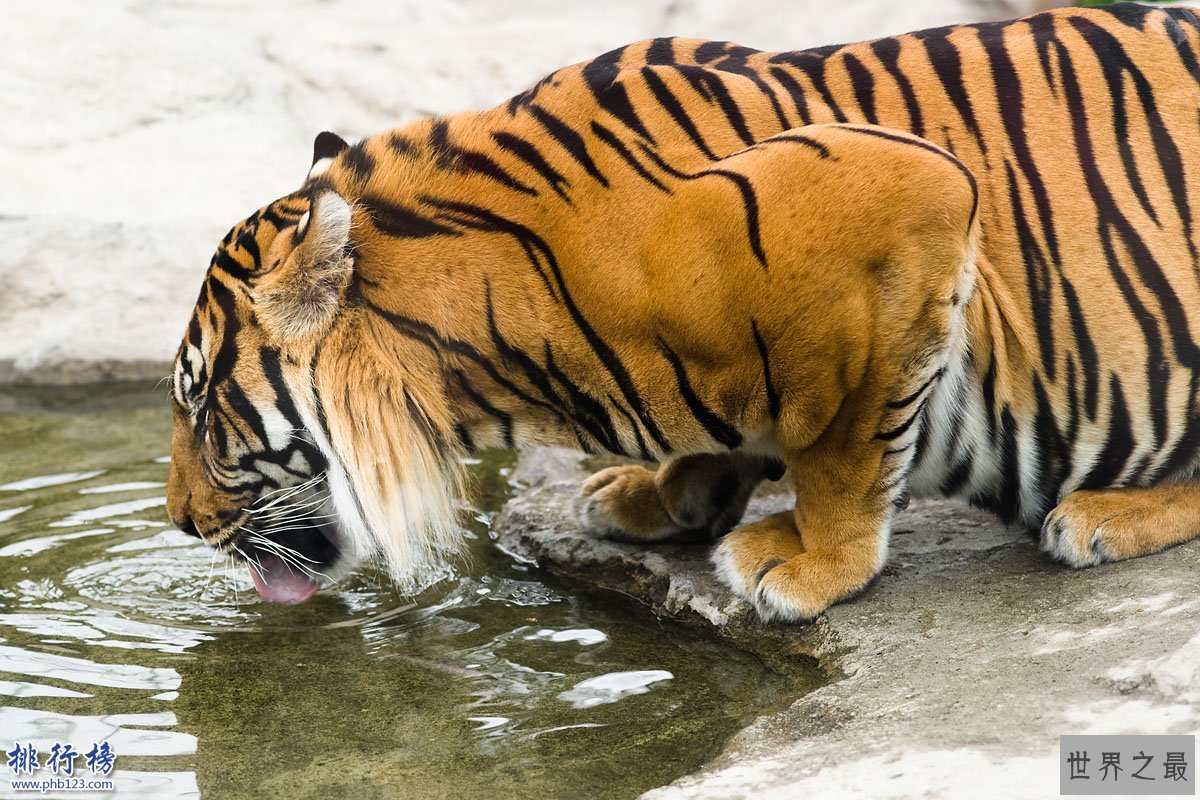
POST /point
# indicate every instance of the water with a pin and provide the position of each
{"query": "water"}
(116, 627)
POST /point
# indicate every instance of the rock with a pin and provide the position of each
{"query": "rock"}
(137, 133)
(953, 675)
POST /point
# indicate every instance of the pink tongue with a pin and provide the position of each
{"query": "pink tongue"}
(278, 583)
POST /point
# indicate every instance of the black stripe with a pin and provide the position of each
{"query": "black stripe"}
(812, 64)
(464, 160)
(483, 220)
(989, 396)
(1053, 452)
(399, 222)
(525, 151)
(749, 207)
(1037, 272)
(1007, 86)
(764, 357)
(735, 63)
(512, 354)
(586, 410)
(863, 84)
(672, 106)
(720, 430)
(503, 417)
(247, 242)
(744, 187)
(958, 477)
(888, 52)
(1008, 501)
(570, 141)
(902, 428)
(1119, 445)
(425, 334)
(920, 391)
(1183, 453)
(464, 437)
(947, 65)
(402, 145)
(268, 358)
(226, 354)
(424, 423)
(661, 51)
(356, 159)
(797, 138)
(607, 136)
(1116, 65)
(230, 265)
(601, 76)
(794, 91)
(710, 85)
(643, 453)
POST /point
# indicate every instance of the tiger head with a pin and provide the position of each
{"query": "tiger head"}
(263, 466)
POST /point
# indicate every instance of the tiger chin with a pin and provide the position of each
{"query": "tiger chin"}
(837, 267)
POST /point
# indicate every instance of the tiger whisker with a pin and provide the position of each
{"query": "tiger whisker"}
(289, 491)
(281, 549)
(296, 509)
(295, 512)
(249, 558)
(290, 557)
(283, 529)
(288, 506)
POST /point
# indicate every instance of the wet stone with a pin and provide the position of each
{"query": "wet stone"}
(954, 673)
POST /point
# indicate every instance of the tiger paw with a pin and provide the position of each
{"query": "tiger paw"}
(1089, 528)
(623, 503)
(766, 563)
(747, 557)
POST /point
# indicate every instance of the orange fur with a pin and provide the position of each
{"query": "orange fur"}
(677, 252)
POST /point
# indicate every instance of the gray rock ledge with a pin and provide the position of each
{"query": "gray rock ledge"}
(952, 676)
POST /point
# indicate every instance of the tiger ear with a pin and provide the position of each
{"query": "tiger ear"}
(326, 147)
(300, 297)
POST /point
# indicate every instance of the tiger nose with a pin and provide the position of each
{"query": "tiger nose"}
(177, 510)
(187, 526)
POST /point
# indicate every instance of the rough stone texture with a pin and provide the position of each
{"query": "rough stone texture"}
(136, 133)
(952, 676)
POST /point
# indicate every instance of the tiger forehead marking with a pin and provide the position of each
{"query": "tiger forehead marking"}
(960, 261)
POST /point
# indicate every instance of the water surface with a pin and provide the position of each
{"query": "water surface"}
(495, 683)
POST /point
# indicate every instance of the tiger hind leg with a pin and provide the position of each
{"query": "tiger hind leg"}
(692, 497)
(1092, 527)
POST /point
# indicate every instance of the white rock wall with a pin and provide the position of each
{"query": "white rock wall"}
(135, 133)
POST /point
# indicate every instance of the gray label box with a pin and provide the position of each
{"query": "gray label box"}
(1128, 765)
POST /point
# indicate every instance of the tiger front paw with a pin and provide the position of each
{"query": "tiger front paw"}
(623, 503)
(766, 563)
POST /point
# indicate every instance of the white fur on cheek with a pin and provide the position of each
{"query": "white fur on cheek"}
(393, 494)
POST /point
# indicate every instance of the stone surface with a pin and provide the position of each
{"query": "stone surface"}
(137, 133)
(953, 675)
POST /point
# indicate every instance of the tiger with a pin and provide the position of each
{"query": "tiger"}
(959, 262)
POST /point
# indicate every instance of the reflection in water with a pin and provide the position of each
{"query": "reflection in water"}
(115, 627)
(613, 686)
